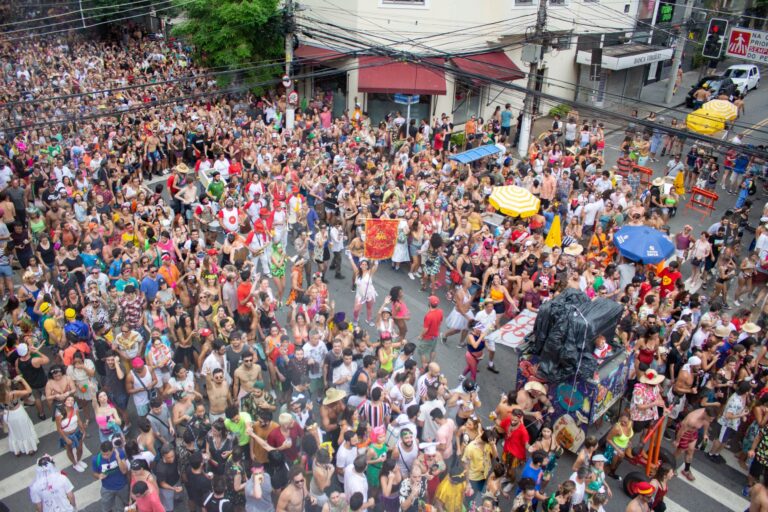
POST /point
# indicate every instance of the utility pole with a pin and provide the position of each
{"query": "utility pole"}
(527, 121)
(290, 111)
(681, 39)
(82, 16)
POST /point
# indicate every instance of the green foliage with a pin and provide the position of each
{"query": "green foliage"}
(458, 139)
(235, 34)
(560, 110)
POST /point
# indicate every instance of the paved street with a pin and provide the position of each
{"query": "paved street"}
(717, 487)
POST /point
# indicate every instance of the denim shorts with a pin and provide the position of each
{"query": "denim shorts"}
(6, 271)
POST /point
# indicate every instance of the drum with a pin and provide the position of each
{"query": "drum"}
(214, 226)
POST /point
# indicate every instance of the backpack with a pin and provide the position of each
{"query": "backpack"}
(752, 189)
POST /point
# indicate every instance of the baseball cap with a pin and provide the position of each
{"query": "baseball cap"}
(70, 314)
(137, 362)
(22, 349)
(45, 307)
(434, 301)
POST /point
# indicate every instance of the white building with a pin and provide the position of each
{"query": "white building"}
(491, 33)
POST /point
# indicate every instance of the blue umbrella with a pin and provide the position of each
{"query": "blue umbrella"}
(643, 244)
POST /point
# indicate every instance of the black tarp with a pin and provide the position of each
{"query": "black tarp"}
(567, 331)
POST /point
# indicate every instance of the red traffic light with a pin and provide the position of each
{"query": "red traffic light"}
(715, 29)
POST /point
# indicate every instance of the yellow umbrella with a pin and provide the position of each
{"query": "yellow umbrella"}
(722, 108)
(514, 201)
(705, 123)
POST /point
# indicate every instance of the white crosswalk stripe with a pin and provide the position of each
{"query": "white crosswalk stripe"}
(674, 507)
(88, 495)
(705, 485)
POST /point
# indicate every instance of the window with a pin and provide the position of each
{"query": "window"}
(466, 101)
(403, 3)
(523, 2)
(558, 2)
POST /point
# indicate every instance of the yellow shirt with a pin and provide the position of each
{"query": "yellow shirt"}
(475, 221)
(54, 330)
(478, 457)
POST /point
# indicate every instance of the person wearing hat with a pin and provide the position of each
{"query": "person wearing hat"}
(427, 348)
(138, 382)
(644, 492)
(534, 402)
(52, 328)
(646, 400)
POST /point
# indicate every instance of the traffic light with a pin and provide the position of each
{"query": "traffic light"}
(713, 45)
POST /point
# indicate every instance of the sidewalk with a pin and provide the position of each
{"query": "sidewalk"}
(657, 91)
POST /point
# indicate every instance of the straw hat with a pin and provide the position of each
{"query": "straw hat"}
(651, 377)
(657, 182)
(722, 331)
(333, 395)
(750, 328)
(183, 169)
(574, 250)
(535, 386)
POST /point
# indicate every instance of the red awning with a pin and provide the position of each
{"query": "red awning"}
(384, 75)
(308, 53)
(494, 65)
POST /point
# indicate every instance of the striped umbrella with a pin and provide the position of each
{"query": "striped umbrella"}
(706, 123)
(514, 201)
(721, 108)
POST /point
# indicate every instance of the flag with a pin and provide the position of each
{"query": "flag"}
(380, 238)
(554, 237)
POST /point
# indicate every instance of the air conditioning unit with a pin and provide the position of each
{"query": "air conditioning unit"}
(562, 42)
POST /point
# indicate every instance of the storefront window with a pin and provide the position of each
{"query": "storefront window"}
(379, 105)
(466, 101)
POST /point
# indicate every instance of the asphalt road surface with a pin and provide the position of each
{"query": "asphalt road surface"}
(717, 487)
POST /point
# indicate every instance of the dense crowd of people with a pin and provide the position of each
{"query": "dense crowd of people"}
(190, 317)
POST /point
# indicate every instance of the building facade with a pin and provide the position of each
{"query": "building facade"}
(455, 37)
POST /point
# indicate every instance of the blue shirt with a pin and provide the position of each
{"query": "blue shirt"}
(312, 219)
(114, 479)
(506, 118)
(89, 260)
(149, 288)
(740, 164)
(533, 474)
(120, 284)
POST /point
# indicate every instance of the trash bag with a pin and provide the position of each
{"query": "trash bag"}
(569, 345)
(550, 319)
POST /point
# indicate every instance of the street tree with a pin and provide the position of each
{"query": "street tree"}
(234, 34)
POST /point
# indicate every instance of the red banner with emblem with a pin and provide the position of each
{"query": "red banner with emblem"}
(380, 238)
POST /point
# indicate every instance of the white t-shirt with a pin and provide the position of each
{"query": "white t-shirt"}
(355, 482)
(51, 491)
(345, 457)
(487, 319)
(590, 212)
(429, 430)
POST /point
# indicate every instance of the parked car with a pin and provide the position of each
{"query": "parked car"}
(745, 76)
(717, 85)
